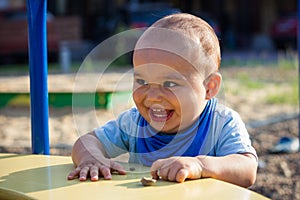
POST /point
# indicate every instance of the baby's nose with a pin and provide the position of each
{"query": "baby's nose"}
(154, 93)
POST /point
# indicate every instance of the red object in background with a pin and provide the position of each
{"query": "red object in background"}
(14, 32)
(284, 31)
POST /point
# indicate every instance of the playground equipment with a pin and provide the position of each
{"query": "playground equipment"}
(37, 32)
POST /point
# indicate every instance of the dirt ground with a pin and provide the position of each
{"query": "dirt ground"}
(278, 175)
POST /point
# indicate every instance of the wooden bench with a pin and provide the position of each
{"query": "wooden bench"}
(14, 34)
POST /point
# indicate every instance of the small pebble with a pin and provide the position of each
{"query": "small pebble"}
(147, 181)
(132, 169)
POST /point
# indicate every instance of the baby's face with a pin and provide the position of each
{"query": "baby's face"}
(168, 91)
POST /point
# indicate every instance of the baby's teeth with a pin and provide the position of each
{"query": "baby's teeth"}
(157, 110)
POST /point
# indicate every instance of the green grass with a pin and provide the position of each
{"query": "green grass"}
(272, 83)
(290, 96)
(288, 61)
(249, 83)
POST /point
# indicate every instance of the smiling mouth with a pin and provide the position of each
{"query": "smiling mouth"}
(160, 114)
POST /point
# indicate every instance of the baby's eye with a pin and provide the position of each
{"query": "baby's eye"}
(141, 82)
(169, 84)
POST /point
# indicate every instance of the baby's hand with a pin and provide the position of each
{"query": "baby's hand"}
(177, 169)
(94, 169)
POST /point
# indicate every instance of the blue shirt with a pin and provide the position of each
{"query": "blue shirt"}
(227, 135)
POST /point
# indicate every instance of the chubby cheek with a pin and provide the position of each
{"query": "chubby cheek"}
(138, 96)
(191, 106)
(190, 111)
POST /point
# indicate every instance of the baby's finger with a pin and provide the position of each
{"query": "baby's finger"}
(173, 172)
(155, 168)
(83, 173)
(105, 171)
(74, 174)
(164, 172)
(94, 173)
(118, 168)
(182, 175)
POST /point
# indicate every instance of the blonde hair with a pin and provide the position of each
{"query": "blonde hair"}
(196, 29)
(186, 32)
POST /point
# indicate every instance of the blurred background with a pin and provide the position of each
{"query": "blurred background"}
(259, 67)
(258, 25)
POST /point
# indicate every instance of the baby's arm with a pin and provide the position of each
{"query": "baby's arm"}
(89, 156)
(239, 169)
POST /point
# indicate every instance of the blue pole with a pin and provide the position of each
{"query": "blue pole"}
(37, 43)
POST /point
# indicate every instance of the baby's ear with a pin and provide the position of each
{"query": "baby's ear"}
(212, 85)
